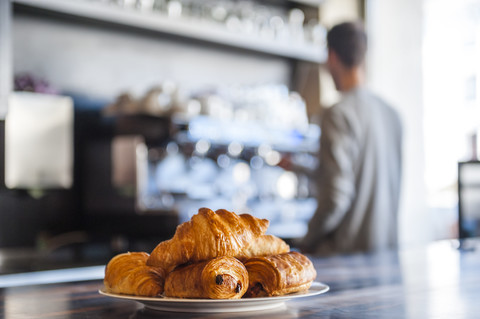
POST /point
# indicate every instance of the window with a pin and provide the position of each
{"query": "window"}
(451, 68)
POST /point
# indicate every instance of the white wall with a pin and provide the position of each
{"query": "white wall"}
(5, 56)
(101, 62)
(395, 71)
(337, 11)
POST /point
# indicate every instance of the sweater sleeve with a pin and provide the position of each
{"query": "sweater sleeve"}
(335, 178)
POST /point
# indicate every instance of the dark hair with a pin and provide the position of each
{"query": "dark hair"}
(349, 41)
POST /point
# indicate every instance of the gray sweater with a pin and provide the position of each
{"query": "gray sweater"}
(358, 177)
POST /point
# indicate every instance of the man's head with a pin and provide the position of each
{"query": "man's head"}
(347, 45)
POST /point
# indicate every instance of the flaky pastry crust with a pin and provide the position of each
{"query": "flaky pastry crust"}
(128, 274)
(265, 245)
(219, 278)
(279, 274)
(206, 236)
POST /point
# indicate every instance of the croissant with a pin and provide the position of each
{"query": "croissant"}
(264, 245)
(128, 273)
(207, 235)
(279, 274)
(219, 278)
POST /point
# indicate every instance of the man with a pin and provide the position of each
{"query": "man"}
(360, 158)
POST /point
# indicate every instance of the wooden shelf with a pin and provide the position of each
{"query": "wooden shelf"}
(312, 3)
(198, 30)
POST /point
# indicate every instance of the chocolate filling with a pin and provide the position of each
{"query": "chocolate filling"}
(256, 291)
(239, 288)
(219, 280)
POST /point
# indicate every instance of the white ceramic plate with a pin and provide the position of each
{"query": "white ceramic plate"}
(219, 305)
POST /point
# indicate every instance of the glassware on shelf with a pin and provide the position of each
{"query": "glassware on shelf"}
(274, 23)
(145, 5)
(296, 19)
(174, 9)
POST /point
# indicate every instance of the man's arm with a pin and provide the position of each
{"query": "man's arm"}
(336, 178)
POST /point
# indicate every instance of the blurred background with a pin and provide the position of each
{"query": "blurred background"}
(120, 118)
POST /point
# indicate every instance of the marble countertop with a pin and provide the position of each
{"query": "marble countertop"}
(434, 281)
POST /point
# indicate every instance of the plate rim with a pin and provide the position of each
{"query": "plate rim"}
(319, 288)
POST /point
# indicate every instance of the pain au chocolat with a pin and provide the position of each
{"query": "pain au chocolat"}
(219, 278)
(279, 274)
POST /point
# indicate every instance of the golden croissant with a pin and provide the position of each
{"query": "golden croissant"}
(206, 236)
(264, 245)
(128, 273)
(279, 274)
(219, 278)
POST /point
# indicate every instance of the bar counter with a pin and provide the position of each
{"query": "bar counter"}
(434, 281)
